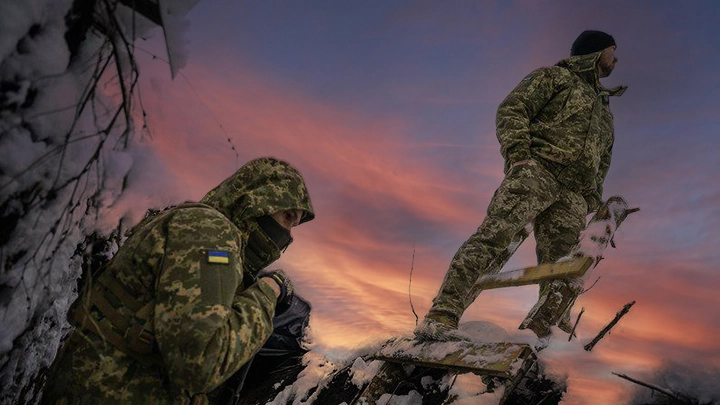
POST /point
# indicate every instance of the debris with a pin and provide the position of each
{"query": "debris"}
(572, 332)
(575, 267)
(612, 323)
(682, 401)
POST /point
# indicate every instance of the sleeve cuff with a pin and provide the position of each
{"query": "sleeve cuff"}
(267, 290)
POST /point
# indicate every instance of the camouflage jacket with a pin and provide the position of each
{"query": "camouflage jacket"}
(208, 317)
(560, 116)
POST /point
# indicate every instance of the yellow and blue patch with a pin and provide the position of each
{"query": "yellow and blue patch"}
(218, 257)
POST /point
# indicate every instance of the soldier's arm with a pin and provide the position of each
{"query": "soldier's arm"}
(603, 169)
(517, 111)
(207, 326)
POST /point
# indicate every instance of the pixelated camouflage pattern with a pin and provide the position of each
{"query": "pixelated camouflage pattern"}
(557, 123)
(528, 193)
(557, 297)
(262, 187)
(560, 116)
(208, 320)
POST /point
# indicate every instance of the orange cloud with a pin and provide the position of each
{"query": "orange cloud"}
(381, 194)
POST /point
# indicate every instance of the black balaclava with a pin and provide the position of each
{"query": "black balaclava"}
(267, 239)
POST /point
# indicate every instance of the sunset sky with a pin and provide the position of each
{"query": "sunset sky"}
(388, 107)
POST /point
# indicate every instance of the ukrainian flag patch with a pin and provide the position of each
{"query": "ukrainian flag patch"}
(218, 257)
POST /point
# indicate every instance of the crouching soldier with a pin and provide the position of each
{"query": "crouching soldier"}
(184, 304)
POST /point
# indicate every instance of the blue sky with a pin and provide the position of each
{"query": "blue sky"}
(388, 110)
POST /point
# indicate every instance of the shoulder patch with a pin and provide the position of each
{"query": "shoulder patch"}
(218, 256)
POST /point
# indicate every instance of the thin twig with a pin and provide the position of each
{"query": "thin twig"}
(593, 285)
(572, 332)
(412, 266)
(612, 323)
(654, 388)
(197, 95)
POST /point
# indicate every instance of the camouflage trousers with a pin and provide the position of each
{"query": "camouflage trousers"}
(528, 194)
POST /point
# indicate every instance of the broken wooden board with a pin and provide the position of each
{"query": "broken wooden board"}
(571, 268)
(502, 359)
(385, 381)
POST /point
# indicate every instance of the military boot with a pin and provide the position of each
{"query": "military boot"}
(552, 308)
(439, 325)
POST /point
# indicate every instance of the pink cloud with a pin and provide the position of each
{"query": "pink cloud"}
(375, 187)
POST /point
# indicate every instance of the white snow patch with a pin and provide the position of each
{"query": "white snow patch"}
(483, 331)
(412, 398)
(315, 374)
(470, 390)
(363, 372)
(41, 147)
(426, 382)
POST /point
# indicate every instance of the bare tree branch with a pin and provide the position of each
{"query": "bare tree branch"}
(412, 265)
(572, 332)
(655, 388)
(612, 323)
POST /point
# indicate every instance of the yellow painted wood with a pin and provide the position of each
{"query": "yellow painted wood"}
(532, 275)
(495, 359)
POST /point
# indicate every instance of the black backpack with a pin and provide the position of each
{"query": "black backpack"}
(283, 348)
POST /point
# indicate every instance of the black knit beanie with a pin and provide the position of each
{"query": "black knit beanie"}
(591, 41)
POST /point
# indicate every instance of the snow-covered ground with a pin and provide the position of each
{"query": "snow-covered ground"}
(64, 161)
(323, 363)
(62, 176)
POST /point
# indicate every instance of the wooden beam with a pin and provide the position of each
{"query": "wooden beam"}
(494, 359)
(533, 275)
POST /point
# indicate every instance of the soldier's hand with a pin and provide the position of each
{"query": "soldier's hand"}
(283, 281)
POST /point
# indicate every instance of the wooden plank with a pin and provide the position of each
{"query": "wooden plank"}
(388, 377)
(572, 268)
(494, 359)
(512, 383)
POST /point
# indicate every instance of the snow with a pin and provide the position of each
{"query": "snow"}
(514, 245)
(38, 55)
(598, 233)
(363, 372)
(427, 381)
(412, 398)
(470, 390)
(35, 154)
(17, 17)
(315, 374)
(172, 13)
(322, 364)
(483, 332)
(48, 172)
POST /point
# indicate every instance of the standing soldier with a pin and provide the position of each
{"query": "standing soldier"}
(183, 304)
(556, 135)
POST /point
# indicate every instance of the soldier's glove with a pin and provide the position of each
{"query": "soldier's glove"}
(283, 281)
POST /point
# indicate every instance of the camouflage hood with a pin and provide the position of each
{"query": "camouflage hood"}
(586, 67)
(261, 187)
